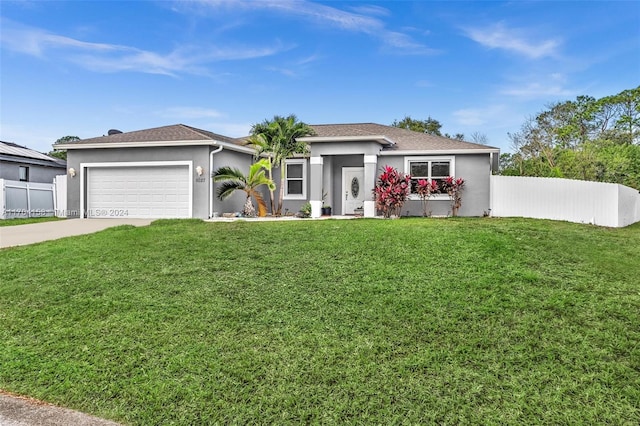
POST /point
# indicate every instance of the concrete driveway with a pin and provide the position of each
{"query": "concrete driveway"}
(20, 411)
(21, 235)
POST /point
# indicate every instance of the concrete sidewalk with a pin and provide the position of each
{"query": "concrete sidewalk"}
(21, 235)
(20, 411)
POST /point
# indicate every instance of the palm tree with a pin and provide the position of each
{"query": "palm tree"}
(261, 146)
(278, 138)
(233, 179)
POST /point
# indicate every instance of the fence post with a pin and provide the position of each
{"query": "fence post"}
(3, 200)
(28, 200)
(55, 197)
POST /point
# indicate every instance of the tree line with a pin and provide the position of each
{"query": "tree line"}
(586, 139)
(432, 126)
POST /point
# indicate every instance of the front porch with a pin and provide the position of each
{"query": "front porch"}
(343, 182)
(343, 172)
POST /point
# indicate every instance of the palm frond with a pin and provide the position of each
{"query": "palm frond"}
(229, 187)
(259, 143)
(233, 179)
(228, 173)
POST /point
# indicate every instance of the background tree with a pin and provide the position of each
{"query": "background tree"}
(479, 138)
(62, 154)
(457, 136)
(233, 180)
(587, 138)
(430, 126)
(628, 117)
(280, 142)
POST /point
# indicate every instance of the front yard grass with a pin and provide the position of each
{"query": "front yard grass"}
(25, 221)
(411, 321)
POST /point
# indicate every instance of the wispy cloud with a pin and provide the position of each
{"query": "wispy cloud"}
(294, 68)
(35, 42)
(470, 117)
(284, 71)
(190, 113)
(104, 57)
(406, 44)
(537, 90)
(499, 36)
(363, 19)
(370, 9)
(235, 130)
(532, 87)
(478, 116)
(205, 118)
(307, 60)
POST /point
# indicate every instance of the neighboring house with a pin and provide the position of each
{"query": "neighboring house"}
(20, 163)
(165, 172)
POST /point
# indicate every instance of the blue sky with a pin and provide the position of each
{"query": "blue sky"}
(83, 67)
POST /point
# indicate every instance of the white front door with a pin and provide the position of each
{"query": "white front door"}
(352, 189)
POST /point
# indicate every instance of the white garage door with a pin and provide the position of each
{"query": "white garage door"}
(138, 192)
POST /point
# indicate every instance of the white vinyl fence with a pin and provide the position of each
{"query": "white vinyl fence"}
(33, 199)
(60, 195)
(597, 203)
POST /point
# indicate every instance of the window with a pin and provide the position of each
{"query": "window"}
(429, 168)
(23, 174)
(295, 179)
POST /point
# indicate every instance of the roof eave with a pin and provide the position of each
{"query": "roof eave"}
(32, 161)
(381, 139)
(234, 147)
(152, 144)
(440, 151)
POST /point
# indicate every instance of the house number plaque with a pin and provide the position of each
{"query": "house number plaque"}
(355, 187)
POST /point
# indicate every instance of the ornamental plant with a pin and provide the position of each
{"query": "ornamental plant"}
(454, 188)
(233, 179)
(391, 191)
(425, 189)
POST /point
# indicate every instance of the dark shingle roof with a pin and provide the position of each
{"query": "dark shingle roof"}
(15, 150)
(173, 133)
(404, 140)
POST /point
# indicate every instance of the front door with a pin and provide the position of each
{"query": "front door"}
(352, 189)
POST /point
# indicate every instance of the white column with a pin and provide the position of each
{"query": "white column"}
(370, 169)
(315, 186)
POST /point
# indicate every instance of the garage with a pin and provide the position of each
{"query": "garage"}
(139, 191)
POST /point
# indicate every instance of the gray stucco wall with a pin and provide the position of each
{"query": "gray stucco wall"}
(345, 148)
(198, 154)
(37, 173)
(473, 168)
(233, 159)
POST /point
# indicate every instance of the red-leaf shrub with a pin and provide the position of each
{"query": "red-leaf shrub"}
(425, 189)
(391, 191)
(454, 188)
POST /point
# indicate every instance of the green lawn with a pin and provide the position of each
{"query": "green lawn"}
(411, 321)
(24, 221)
